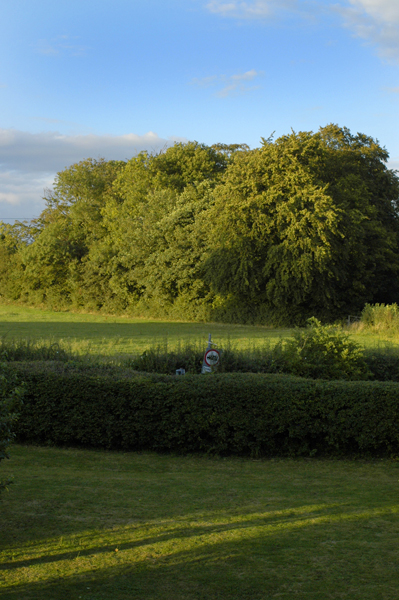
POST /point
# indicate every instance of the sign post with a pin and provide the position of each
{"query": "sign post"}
(211, 357)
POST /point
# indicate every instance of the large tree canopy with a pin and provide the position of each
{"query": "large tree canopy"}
(307, 225)
(304, 225)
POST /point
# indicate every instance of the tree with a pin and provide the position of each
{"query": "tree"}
(304, 226)
(172, 273)
(145, 194)
(66, 231)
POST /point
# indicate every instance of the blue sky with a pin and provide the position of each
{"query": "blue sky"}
(90, 79)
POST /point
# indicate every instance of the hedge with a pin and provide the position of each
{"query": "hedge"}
(229, 413)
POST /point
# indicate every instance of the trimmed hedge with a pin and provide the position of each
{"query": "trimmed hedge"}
(228, 413)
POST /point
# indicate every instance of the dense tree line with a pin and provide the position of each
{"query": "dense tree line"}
(304, 225)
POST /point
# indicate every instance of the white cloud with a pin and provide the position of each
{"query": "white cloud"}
(21, 195)
(260, 9)
(29, 162)
(385, 10)
(232, 85)
(376, 21)
(52, 151)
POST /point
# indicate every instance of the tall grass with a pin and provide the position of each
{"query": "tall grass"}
(28, 350)
(160, 356)
(303, 357)
(379, 318)
(189, 355)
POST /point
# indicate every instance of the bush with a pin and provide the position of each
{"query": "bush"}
(10, 402)
(383, 363)
(321, 352)
(227, 413)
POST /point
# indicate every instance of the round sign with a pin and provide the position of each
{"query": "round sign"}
(212, 358)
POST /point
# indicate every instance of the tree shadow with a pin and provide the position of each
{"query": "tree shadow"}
(254, 558)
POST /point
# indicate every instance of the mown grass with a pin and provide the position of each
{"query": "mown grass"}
(113, 526)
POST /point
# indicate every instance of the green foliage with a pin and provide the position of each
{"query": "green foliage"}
(53, 249)
(322, 352)
(153, 223)
(239, 414)
(304, 225)
(11, 393)
(383, 363)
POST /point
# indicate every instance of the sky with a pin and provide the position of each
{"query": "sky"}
(104, 78)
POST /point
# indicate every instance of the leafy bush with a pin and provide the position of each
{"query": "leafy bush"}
(322, 352)
(10, 403)
(228, 413)
(383, 363)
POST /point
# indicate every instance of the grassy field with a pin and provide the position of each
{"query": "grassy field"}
(121, 335)
(98, 334)
(81, 524)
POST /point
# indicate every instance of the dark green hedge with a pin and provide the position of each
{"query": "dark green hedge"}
(231, 413)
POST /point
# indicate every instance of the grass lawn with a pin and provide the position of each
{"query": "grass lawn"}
(80, 524)
(98, 334)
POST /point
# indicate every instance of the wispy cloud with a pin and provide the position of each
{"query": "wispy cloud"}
(205, 82)
(61, 45)
(376, 21)
(260, 9)
(232, 85)
(51, 151)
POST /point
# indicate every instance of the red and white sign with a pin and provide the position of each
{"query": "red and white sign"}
(212, 358)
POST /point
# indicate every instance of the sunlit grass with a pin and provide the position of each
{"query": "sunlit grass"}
(96, 334)
(93, 334)
(103, 525)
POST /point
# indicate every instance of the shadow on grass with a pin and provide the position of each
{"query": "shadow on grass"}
(310, 550)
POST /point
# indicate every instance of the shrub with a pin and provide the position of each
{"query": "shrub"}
(10, 402)
(228, 413)
(383, 363)
(321, 352)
